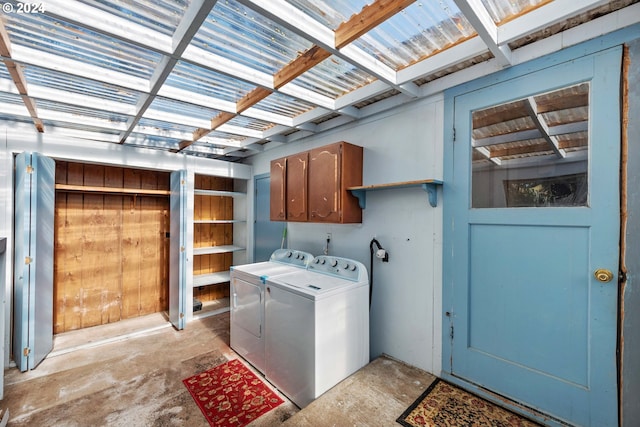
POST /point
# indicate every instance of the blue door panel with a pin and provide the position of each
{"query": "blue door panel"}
(177, 249)
(508, 305)
(33, 269)
(526, 318)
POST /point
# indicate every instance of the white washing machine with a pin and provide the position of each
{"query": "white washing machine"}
(317, 327)
(247, 301)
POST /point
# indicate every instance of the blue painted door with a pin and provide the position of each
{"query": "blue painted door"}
(177, 249)
(268, 235)
(525, 315)
(33, 268)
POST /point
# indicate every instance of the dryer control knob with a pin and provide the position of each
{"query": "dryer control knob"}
(353, 267)
(316, 261)
(289, 254)
(334, 263)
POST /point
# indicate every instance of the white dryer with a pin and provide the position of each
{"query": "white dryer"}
(317, 327)
(247, 301)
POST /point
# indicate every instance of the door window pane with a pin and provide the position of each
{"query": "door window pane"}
(532, 152)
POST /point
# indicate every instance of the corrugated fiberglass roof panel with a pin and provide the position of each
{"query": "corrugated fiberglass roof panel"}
(82, 112)
(416, 32)
(80, 85)
(183, 108)
(504, 10)
(69, 41)
(165, 126)
(278, 103)
(240, 34)
(333, 78)
(190, 77)
(330, 13)
(250, 123)
(157, 15)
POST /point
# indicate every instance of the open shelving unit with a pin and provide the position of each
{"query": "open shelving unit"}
(215, 223)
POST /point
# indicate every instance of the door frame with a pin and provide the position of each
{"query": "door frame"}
(570, 54)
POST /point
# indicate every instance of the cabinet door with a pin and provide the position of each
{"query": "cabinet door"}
(296, 185)
(324, 183)
(278, 190)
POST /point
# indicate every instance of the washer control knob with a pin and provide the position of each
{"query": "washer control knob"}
(324, 261)
(302, 257)
(316, 261)
(334, 262)
(289, 254)
(346, 266)
(353, 267)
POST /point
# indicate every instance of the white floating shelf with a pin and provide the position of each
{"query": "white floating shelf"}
(218, 221)
(216, 249)
(218, 193)
(210, 279)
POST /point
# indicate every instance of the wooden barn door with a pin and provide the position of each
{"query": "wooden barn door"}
(111, 244)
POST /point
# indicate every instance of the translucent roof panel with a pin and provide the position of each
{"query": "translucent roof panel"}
(166, 126)
(79, 85)
(236, 32)
(416, 32)
(69, 41)
(183, 109)
(81, 113)
(157, 15)
(190, 77)
(283, 105)
(505, 10)
(250, 123)
(330, 13)
(333, 78)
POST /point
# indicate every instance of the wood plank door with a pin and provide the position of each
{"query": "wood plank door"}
(33, 272)
(533, 229)
(177, 249)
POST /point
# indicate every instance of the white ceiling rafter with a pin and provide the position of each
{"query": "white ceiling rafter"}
(194, 17)
(480, 19)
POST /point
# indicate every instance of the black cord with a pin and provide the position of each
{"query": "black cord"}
(374, 240)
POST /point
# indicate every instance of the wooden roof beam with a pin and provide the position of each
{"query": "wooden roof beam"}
(15, 70)
(303, 63)
(368, 18)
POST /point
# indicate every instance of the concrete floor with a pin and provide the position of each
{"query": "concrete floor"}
(95, 377)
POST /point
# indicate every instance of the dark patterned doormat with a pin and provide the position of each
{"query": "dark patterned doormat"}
(230, 395)
(445, 405)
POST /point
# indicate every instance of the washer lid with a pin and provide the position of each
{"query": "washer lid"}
(313, 283)
(264, 270)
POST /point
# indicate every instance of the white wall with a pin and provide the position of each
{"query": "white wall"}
(403, 144)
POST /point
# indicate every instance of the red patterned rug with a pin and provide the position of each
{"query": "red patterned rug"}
(231, 395)
(445, 405)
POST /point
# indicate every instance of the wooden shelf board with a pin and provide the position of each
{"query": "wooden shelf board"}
(218, 221)
(112, 190)
(428, 185)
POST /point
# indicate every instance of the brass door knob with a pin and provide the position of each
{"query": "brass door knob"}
(603, 275)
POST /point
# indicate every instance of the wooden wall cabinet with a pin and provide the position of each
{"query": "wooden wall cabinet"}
(312, 185)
